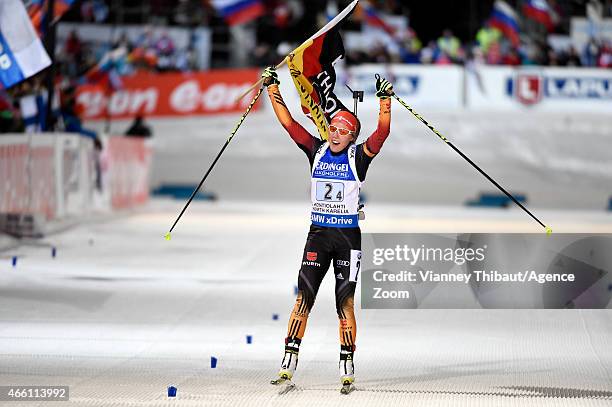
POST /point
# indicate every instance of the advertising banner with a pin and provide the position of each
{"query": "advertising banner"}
(51, 180)
(127, 172)
(170, 94)
(538, 88)
(423, 85)
(27, 171)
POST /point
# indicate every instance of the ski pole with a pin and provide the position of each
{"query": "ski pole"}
(229, 139)
(451, 145)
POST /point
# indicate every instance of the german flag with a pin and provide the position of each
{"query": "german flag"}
(314, 77)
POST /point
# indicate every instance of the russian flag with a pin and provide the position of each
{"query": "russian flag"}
(105, 72)
(505, 19)
(239, 11)
(372, 18)
(539, 11)
(21, 51)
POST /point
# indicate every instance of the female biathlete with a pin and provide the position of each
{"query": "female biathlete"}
(338, 168)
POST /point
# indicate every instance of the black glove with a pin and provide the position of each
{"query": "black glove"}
(270, 77)
(384, 88)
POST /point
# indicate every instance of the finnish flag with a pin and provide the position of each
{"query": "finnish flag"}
(21, 52)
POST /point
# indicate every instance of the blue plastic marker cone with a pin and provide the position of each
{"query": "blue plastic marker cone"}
(274, 317)
(171, 391)
(53, 252)
(14, 261)
(249, 339)
(213, 362)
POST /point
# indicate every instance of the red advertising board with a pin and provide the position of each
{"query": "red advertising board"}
(170, 94)
(28, 178)
(129, 166)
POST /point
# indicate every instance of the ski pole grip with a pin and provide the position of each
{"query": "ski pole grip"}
(377, 76)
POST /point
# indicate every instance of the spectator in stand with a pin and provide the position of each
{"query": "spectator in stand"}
(122, 55)
(605, 56)
(356, 57)
(145, 39)
(571, 58)
(552, 58)
(429, 54)
(486, 36)
(10, 119)
(73, 50)
(282, 14)
(511, 58)
(494, 53)
(94, 11)
(71, 115)
(144, 55)
(449, 46)
(591, 52)
(379, 54)
(164, 48)
(443, 59)
(475, 57)
(139, 128)
(30, 103)
(186, 60)
(410, 48)
(123, 42)
(530, 54)
(264, 55)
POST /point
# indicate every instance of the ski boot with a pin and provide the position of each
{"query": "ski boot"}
(347, 369)
(288, 366)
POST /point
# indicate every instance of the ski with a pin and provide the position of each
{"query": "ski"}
(285, 385)
(347, 388)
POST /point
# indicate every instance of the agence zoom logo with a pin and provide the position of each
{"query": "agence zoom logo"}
(530, 89)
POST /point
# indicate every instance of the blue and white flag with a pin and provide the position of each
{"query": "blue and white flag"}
(21, 52)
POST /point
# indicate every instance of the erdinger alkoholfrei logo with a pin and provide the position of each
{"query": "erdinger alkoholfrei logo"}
(528, 88)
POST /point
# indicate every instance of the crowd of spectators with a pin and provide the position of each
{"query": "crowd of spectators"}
(23, 108)
(283, 26)
(153, 50)
(277, 32)
(489, 47)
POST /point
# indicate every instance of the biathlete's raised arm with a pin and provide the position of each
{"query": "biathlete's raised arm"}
(302, 138)
(374, 143)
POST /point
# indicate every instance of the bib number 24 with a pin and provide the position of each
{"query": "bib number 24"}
(330, 191)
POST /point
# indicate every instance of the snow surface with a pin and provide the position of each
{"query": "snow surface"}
(121, 313)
